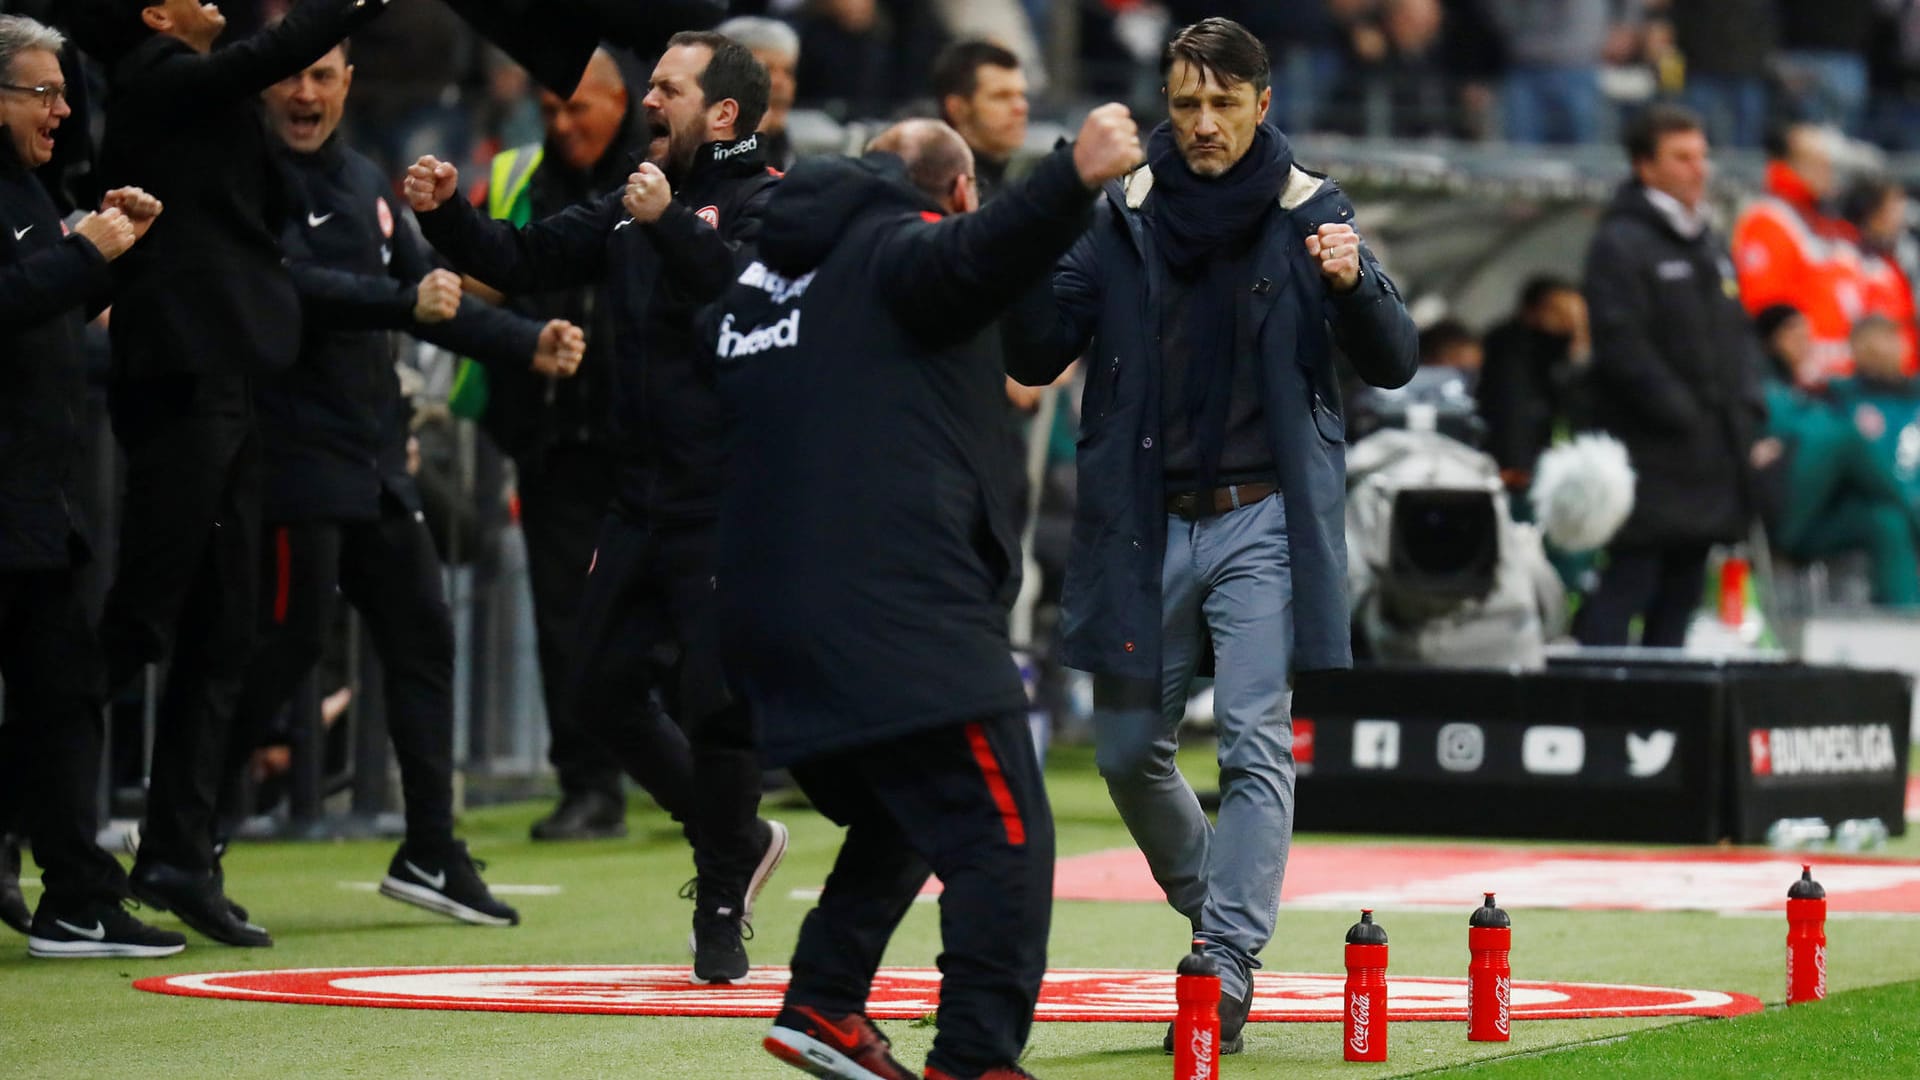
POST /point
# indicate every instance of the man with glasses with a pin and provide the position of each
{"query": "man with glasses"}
(50, 282)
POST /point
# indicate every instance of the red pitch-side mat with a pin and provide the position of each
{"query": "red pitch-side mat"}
(903, 993)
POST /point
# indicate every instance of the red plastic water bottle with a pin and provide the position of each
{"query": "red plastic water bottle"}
(1806, 940)
(1196, 1027)
(1366, 1011)
(1489, 975)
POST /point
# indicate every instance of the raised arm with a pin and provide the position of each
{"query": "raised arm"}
(563, 250)
(256, 61)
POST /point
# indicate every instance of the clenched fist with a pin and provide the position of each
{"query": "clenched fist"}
(1108, 147)
(560, 348)
(647, 193)
(438, 297)
(1337, 248)
(110, 231)
(429, 184)
(140, 207)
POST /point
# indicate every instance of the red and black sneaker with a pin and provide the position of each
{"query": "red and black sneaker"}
(998, 1072)
(844, 1047)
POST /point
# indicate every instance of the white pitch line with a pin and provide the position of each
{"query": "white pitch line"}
(814, 894)
(497, 890)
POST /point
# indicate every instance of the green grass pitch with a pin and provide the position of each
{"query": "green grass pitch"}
(62, 1019)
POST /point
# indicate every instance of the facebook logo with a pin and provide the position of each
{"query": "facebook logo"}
(1376, 744)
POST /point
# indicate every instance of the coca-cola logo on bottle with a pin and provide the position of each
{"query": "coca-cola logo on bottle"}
(1360, 1007)
(1202, 1056)
(1820, 971)
(1503, 996)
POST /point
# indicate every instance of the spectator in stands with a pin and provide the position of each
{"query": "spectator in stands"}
(1535, 367)
(1883, 400)
(1823, 60)
(777, 47)
(1397, 78)
(863, 57)
(1726, 46)
(1673, 371)
(1555, 50)
(559, 432)
(1837, 495)
(1877, 208)
(202, 309)
(1893, 72)
(982, 94)
(407, 97)
(1788, 249)
(50, 284)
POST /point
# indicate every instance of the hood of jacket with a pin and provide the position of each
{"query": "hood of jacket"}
(813, 205)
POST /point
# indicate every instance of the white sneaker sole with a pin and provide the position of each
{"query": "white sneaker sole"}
(810, 1055)
(769, 862)
(78, 950)
(422, 897)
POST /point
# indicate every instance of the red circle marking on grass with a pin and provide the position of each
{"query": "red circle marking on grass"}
(902, 993)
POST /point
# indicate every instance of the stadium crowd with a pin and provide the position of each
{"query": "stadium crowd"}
(223, 216)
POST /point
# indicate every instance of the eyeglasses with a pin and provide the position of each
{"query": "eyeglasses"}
(48, 93)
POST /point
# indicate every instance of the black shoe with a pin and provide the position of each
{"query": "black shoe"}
(1233, 1020)
(198, 901)
(445, 879)
(13, 906)
(97, 928)
(719, 945)
(773, 848)
(584, 815)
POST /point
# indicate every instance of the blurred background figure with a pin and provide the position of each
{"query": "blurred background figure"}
(777, 47)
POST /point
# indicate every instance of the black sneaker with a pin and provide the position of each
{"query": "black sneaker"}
(773, 849)
(445, 879)
(719, 945)
(839, 1047)
(197, 900)
(96, 929)
(1233, 1021)
(584, 815)
(13, 905)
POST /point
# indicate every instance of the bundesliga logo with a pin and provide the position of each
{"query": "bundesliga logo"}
(1848, 748)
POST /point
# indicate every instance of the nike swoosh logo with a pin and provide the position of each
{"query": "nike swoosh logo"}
(848, 1037)
(438, 881)
(98, 933)
(314, 221)
(18, 233)
(623, 224)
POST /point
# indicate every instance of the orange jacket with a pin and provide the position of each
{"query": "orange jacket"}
(1889, 293)
(1785, 251)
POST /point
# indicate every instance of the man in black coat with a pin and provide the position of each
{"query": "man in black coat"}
(1674, 378)
(341, 511)
(50, 284)
(865, 560)
(201, 311)
(665, 246)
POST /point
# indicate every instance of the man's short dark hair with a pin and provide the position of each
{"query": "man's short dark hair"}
(1654, 123)
(1223, 49)
(956, 71)
(1541, 287)
(1865, 198)
(732, 72)
(1445, 335)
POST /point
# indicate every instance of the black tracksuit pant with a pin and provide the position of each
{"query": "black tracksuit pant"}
(50, 743)
(388, 570)
(564, 494)
(1662, 585)
(648, 624)
(185, 588)
(966, 802)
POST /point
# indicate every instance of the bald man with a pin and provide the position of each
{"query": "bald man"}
(558, 430)
(866, 554)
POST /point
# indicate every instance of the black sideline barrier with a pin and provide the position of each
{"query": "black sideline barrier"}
(1600, 748)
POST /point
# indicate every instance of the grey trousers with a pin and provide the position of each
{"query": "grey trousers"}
(1228, 578)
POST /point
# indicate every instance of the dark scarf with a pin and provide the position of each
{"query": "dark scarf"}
(1205, 229)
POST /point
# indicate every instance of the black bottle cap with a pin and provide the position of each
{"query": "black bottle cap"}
(1806, 888)
(1198, 962)
(1366, 931)
(1488, 915)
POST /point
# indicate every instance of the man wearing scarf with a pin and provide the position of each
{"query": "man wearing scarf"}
(1213, 287)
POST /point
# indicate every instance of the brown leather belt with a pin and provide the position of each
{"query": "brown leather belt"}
(1193, 506)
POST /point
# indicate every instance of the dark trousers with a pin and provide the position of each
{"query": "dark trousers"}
(1661, 585)
(564, 495)
(388, 570)
(50, 743)
(648, 625)
(966, 802)
(185, 588)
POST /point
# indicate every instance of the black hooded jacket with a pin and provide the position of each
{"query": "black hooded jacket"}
(50, 284)
(1674, 374)
(655, 278)
(865, 546)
